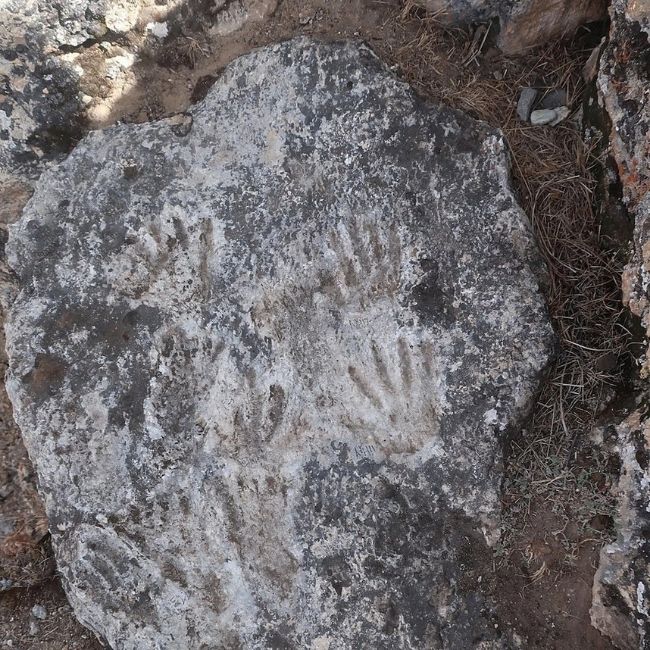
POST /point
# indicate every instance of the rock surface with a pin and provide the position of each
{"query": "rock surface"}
(621, 593)
(63, 63)
(66, 66)
(264, 357)
(41, 105)
(46, 52)
(622, 583)
(623, 82)
(524, 23)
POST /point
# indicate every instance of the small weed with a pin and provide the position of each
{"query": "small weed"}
(182, 51)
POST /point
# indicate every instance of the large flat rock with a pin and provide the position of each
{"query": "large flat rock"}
(264, 358)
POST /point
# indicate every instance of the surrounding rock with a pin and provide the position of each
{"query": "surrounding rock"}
(40, 43)
(527, 23)
(624, 80)
(63, 63)
(264, 358)
(524, 23)
(622, 583)
(621, 593)
(234, 15)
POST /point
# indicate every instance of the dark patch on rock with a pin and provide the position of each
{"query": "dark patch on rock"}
(430, 299)
(293, 339)
(202, 88)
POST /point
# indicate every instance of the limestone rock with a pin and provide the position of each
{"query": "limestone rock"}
(623, 82)
(64, 63)
(264, 358)
(621, 592)
(527, 23)
(622, 583)
(524, 23)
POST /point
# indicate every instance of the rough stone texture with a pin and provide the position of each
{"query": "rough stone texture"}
(527, 23)
(41, 115)
(623, 82)
(264, 357)
(524, 23)
(64, 66)
(622, 582)
(62, 62)
(40, 103)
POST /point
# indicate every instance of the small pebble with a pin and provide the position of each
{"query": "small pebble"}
(543, 116)
(552, 116)
(39, 612)
(159, 30)
(33, 628)
(525, 103)
(554, 99)
(561, 114)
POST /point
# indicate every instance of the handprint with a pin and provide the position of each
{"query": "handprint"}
(396, 395)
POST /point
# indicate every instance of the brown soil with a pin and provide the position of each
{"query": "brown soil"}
(550, 608)
(58, 630)
(544, 573)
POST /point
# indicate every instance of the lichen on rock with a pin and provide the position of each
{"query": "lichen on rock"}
(621, 596)
(265, 356)
(623, 90)
(621, 601)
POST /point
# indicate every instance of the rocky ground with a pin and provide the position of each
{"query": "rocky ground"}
(558, 496)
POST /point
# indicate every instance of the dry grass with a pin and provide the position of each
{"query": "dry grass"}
(24, 551)
(182, 51)
(25, 554)
(554, 172)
